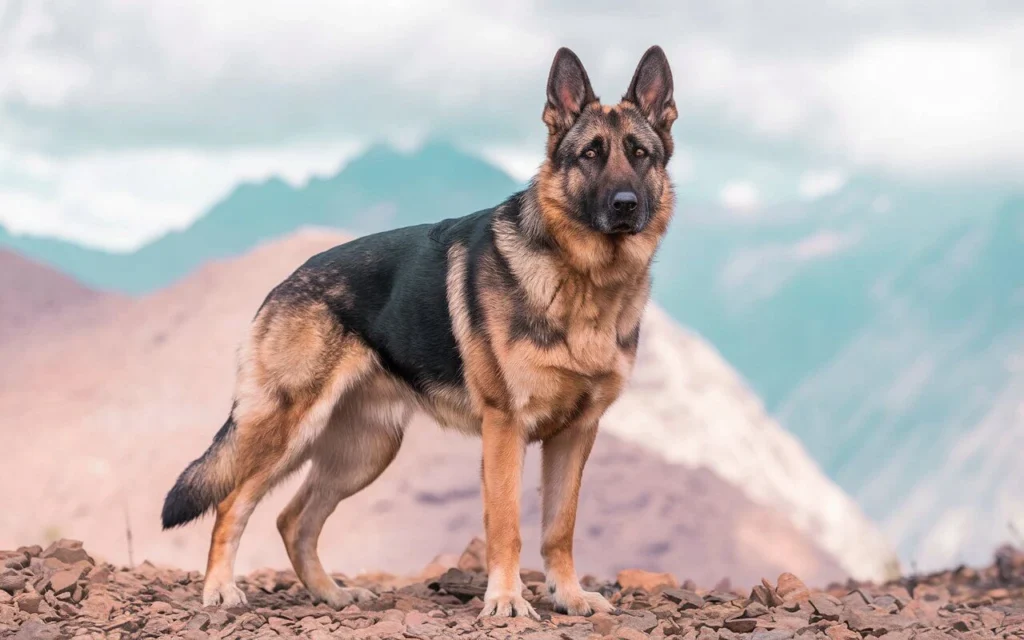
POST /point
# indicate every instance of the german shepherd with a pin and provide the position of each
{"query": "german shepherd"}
(518, 323)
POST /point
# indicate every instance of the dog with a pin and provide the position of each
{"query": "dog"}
(518, 323)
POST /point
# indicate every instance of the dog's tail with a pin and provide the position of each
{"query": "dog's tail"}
(204, 483)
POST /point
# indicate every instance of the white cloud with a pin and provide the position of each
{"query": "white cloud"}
(37, 77)
(818, 184)
(947, 104)
(931, 105)
(119, 200)
(740, 196)
(521, 164)
(822, 244)
(928, 88)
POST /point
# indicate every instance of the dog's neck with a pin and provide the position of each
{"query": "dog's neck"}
(549, 273)
(605, 261)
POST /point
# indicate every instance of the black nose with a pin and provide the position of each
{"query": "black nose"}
(624, 202)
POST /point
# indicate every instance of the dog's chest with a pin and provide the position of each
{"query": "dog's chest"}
(578, 372)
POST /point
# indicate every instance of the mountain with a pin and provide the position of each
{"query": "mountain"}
(120, 407)
(379, 189)
(883, 326)
(32, 293)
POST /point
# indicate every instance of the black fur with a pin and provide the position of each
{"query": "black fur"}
(193, 495)
(396, 296)
(630, 341)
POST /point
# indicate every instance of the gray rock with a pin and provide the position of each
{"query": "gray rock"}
(685, 598)
(826, 606)
(12, 582)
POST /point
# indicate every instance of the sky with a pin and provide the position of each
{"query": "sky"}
(120, 120)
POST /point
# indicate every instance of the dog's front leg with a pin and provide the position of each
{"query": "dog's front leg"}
(504, 446)
(564, 457)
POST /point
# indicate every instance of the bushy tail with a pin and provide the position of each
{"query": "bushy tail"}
(204, 483)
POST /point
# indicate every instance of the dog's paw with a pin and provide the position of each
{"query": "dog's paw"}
(574, 601)
(341, 597)
(225, 594)
(507, 605)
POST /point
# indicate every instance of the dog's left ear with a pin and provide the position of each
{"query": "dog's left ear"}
(651, 90)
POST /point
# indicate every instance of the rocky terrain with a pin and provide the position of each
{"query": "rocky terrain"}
(62, 592)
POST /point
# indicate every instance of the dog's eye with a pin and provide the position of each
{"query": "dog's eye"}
(640, 152)
(590, 153)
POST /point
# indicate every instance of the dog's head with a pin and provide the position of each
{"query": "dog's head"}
(606, 164)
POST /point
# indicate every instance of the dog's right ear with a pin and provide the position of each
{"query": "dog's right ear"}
(569, 91)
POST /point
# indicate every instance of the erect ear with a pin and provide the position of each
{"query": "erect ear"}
(651, 89)
(569, 91)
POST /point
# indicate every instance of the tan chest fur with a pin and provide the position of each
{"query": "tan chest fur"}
(554, 348)
(575, 377)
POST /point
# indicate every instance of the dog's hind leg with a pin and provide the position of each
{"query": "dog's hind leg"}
(291, 376)
(233, 513)
(266, 451)
(353, 451)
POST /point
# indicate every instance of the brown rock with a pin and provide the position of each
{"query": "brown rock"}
(771, 634)
(629, 633)
(991, 619)
(707, 633)
(760, 594)
(474, 558)
(646, 580)
(14, 559)
(685, 598)
(741, 625)
(29, 602)
(36, 630)
(218, 618)
(841, 632)
(855, 599)
(98, 606)
(898, 635)
(718, 597)
(755, 610)
(464, 586)
(791, 589)
(64, 581)
(604, 623)
(11, 581)
(67, 551)
(639, 620)
(826, 606)
(767, 592)
(99, 575)
(195, 634)
(873, 622)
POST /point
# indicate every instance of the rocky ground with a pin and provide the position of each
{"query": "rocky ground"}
(62, 592)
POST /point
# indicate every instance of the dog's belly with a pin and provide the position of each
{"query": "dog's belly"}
(451, 408)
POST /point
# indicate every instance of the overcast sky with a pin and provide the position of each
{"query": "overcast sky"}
(120, 119)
